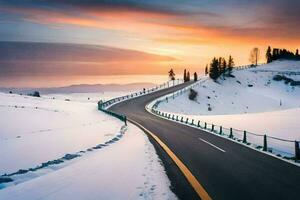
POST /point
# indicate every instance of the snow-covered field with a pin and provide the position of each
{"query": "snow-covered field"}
(67, 149)
(251, 100)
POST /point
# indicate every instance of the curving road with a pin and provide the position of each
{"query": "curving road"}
(225, 169)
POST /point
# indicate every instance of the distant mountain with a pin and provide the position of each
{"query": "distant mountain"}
(82, 88)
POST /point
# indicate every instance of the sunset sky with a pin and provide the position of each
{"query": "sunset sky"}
(189, 33)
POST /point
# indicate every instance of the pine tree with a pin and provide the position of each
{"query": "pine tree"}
(220, 65)
(184, 75)
(206, 70)
(230, 64)
(297, 52)
(188, 78)
(195, 76)
(269, 55)
(214, 69)
(172, 75)
(224, 65)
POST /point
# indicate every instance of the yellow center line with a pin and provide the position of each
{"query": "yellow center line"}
(186, 172)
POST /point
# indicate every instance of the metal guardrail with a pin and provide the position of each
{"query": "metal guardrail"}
(103, 106)
(288, 149)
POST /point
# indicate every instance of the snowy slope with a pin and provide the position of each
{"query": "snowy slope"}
(251, 91)
(109, 163)
(41, 129)
(250, 101)
(127, 170)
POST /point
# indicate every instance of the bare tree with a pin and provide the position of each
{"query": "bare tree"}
(254, 56)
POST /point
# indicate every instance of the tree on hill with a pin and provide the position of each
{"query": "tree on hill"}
(277, 54)
(184, 75)
(254, 56)
(269, 55)
(220, 65)
(230, 64)
(224, 65)
(214, 69)
(188, 78)
(195, 76)
(172, 75)
(206, 70)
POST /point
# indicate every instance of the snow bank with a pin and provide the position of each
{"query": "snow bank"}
(67, 149)
(36, 130)
(128, 170)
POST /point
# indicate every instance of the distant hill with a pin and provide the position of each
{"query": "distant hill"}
(82, 88)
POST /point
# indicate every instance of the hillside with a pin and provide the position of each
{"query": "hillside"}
(249, 91)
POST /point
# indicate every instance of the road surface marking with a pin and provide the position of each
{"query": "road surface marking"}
(212, 145)
(186, 172)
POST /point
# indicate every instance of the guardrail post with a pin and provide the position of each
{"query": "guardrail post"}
(221, 131)
(199, 123)
(205, 125)
(245, 137)
(230, 135)
(212, 127)
(265, 148)
(125, 120)
(297, 150)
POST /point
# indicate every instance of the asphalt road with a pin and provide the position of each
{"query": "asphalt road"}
(225, 169)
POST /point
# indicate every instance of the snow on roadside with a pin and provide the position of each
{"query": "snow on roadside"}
(282, 124)
(44, 134)
(36, 130)
(128, 170)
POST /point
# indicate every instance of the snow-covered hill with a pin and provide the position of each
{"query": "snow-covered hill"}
(249, 91)
(251, 100)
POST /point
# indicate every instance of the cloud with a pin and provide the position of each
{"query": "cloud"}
(21, 58)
